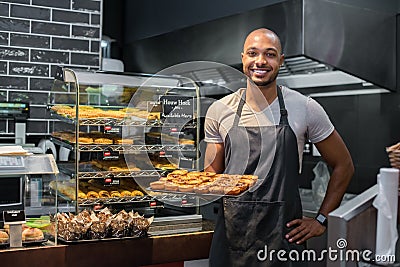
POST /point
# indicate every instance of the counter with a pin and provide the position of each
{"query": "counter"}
(125, 252)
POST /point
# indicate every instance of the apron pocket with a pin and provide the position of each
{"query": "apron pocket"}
(251, 225)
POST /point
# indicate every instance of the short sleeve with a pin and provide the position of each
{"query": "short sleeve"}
(319, 126)
(211, 125)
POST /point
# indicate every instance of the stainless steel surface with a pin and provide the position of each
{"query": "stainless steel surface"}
(357, 37)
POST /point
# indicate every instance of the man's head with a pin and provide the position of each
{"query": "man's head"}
(262, 56)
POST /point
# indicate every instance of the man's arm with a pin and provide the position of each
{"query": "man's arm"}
(335, 153)
(214, 159)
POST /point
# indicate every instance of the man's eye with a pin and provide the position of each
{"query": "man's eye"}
(271, 55)
(251, 53)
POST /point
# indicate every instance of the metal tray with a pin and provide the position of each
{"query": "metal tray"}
(80, 241)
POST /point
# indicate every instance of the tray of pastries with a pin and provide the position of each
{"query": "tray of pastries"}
(30, 236)
(204, 183)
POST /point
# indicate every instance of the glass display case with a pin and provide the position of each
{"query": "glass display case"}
(118, 132)
(27, 205)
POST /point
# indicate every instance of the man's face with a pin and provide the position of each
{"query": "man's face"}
(262, 58)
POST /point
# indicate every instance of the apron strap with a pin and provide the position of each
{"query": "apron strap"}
(284, 114)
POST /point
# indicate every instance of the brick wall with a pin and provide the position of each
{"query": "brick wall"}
(35, 37)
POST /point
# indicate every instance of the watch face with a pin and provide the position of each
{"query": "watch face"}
(321, 219)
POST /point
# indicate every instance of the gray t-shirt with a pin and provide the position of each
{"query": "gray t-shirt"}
(306, 117)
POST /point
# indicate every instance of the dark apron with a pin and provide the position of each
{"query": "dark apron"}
(255, 222)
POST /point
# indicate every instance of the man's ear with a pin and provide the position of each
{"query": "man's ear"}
(282, 59)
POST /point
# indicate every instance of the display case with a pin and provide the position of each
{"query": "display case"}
(27, 205)
(118, 132)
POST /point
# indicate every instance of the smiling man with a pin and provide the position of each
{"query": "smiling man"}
(261, 130)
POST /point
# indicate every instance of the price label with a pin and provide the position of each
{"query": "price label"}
(14, 216)
(110, 181)
(109, 129)
(185, 163)
(110, 155)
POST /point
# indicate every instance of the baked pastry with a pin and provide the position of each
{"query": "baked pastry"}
(126, 193)
(3, 237)
(180, 172)
(137, 193)
(106, 141)
(92, 194)
(171, 187)
(157, 185)
(232, 190)
(82, 195)
(201, 189)
(32, 234)
(186, 188)
(85, 140)
(104, 194)
(115, 194)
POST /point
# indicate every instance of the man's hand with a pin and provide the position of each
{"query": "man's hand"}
(305, 229)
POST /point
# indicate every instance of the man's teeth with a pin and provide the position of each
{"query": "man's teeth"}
(260, 71)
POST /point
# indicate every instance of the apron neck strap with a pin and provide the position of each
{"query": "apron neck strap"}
(284, 114)
(283, 120)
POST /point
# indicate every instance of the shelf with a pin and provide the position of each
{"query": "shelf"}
(120, 122)
(117, 174)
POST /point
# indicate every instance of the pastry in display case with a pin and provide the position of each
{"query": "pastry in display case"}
(116, 133)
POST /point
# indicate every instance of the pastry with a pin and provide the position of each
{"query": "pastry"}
(32, 234)
(92, 194)
(157, 185)
(104, 194)
(201, 189)
(180, 172)
(103, 141)
(82, 195)
(171, 187)
(126, 193)
(3, 237)
(137, 193)
(186, 188)
(115, 194)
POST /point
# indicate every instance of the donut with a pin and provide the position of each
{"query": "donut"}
(82, 195)
(157, 185)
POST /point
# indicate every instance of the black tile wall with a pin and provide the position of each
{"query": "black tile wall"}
(68, 16)
(4, 9)
(3, 67)
(82, 31)
(84, 59)
(14, 25)
(8, 53)
(50, 28)
(9, 82)
(49, 56)
(30, 12)
(36, 36)
(86, 5)
(4, 38)
(41, 84)
(28, 40)
(59, 3)
(29, 69)
(3, 124)
(95, 19)
(70, 44)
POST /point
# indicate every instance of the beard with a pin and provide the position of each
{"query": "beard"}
(267, 82)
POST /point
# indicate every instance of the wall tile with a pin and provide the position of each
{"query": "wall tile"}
(29, 40)
(9, 82)
(3, 67)
(4, 8)
(50, 28)
(85, 59)
(70, 44)
(4, 38)
(39, 113)
(17, 68)
(17, 1)
(44, 84)
(68, 16)
(95, 46)
(3, 95)
(49, 56)
(95, 19)
(30, 12)
(86, 5)
(36, 127)
(31, 97)
(59, 3)
(3, 124)
(14, 25)
(83, 31)
(9, 53)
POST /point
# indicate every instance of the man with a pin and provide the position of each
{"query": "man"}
(243, 138)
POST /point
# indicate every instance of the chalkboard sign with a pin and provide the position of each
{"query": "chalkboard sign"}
(177, 108)
(13, 216)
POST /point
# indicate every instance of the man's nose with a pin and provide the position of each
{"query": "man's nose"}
(261, 60)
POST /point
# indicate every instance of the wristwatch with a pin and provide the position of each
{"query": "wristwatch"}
(321, 218)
